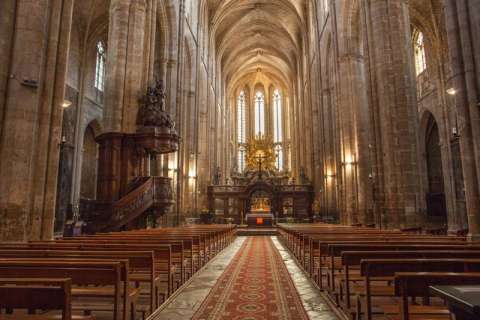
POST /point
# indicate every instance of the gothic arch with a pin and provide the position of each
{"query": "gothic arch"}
(435, 196)
(89, 163)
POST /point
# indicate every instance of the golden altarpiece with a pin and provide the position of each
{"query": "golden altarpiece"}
(261, 190)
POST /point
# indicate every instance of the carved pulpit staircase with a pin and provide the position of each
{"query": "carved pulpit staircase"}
(126, 191)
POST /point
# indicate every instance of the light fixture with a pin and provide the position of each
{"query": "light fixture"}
(66, 103)
(329, 175)
(349, 161)
(192, 174)
(452, 91)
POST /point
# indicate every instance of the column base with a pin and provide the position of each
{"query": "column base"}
(13, 224)
(473, 237)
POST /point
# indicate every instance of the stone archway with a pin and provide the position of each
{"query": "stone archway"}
(88, 183)
(435, 195)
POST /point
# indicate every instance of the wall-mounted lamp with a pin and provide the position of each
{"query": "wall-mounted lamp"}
(329, 176)
(454, 131)
(452, 91)
(66, 103)
(349, 161)
(192, 174)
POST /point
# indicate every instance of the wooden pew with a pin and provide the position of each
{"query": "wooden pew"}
(181, 248)
(335, 250)
(412, 285)
(93, 279)
(162, 254)
(37, 294)
(351, 261)
(379, 269)
(141, 264)
(161, 258)
(318, 249)
(176, 248)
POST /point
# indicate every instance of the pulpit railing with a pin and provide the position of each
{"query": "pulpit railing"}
(150, 193)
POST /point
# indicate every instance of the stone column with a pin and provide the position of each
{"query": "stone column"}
(394, 111)
(7, 24)
(150, 39)
(463, 27)
(347, 105)
(32, 115)
(125, 64)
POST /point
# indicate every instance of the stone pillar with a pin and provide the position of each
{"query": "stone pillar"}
(125, 64)
(394, 111)
(347, 105)
(32, 115)
(463, 27)
(354, 137)
(150, 40)
(7, 24)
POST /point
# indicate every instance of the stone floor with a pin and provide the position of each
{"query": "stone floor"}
(184, 304)
(313, 302)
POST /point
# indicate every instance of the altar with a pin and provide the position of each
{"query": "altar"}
(260, 214)
(260, 195)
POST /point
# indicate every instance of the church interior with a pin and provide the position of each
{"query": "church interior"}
(239, 159)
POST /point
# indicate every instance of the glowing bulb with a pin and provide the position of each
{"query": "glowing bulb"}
(66, 103)
(452, 91)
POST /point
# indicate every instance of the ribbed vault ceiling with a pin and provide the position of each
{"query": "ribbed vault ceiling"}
(257, 34)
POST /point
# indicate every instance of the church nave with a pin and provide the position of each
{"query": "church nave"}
(239, 159)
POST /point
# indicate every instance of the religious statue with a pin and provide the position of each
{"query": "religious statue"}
(260, 158)
(234, 170)
(303, 177)
(260, 205)
(217, 176)
(152, 111)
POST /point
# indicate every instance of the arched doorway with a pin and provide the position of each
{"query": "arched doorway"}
(436, 203)
(88, 186)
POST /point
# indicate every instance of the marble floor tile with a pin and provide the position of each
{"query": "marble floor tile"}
(315, 305)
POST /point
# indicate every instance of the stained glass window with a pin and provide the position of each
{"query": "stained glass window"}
(100, 67)
(277, 117)
(241, 118)
(419, 49)
(259, 113)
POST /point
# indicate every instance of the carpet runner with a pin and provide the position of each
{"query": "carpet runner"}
(255, 286)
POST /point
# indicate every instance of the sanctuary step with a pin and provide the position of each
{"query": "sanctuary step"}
(246, 231)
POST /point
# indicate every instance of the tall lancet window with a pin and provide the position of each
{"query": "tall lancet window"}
(277, 115)
(100, 67)
(419, 50)
(241, 130)
(278, 129)
(259, 113)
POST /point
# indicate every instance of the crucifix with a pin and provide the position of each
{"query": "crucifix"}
(260, 157)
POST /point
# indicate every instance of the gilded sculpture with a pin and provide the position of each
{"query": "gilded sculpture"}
(260, 149)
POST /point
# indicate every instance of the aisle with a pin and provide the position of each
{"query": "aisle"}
(256, 285)
(249, 280)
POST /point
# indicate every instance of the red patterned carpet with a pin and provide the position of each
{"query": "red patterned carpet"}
(255, 286)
